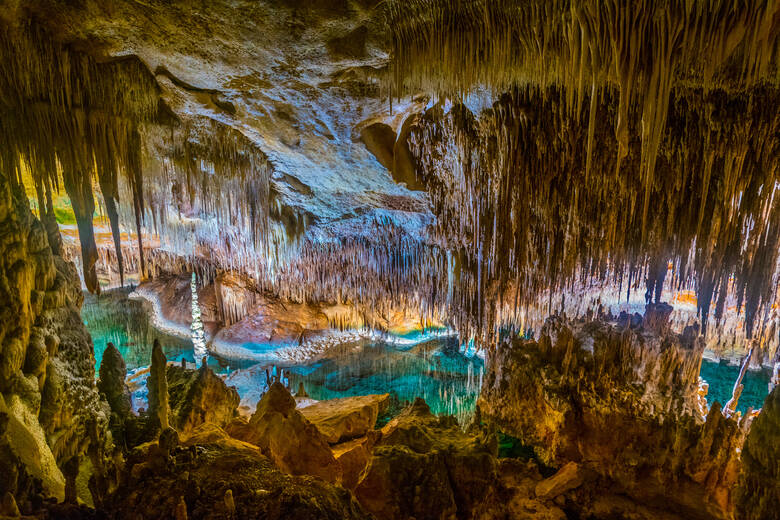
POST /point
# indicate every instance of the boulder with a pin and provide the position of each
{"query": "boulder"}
(284, 435)
(197, 397)
(353, 457)
(565, 479)
(347, 418)
(424, 466)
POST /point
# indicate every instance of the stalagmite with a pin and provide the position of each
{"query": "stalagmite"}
(730, 407)
(198, 338)
(181, 510)
(158, 387)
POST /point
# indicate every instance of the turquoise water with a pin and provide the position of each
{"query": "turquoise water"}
(721, 377)
(113, 317)
(436, 370)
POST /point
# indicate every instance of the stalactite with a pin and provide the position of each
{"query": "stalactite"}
(108, 187)
(64, 111)
(79, 188)
(509, 191)
(640, 46)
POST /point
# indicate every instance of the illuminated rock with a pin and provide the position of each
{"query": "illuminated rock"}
(343, 419)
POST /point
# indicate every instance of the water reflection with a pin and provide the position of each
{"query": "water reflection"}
(721, 377)
(113, 317)
(436, 370)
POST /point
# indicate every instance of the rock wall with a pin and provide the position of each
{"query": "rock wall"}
(758, 492)
(50, 410)
(620, 399)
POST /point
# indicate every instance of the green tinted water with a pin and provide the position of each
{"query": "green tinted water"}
(435, 370)
(721, 377)
(113, 317)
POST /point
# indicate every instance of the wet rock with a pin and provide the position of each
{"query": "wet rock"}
(290, 440)
(199, 396)
(343, 419)
(567, 478)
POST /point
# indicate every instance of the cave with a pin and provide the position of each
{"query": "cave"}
(399, 259)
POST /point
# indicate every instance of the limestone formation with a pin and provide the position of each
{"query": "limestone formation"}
(198, 397)
(567, 478)
(344, 419)
(622, 403)
(157, 384)
(458, 471)
(294, 173)
(353, 457)
(282, 433)
(112, 381)
(48, 398)
(213, 476)
(758, 490)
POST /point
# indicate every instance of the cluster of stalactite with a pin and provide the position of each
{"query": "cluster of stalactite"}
(632, 133)
(517, 205)
(209, 170)
(643, 48)
(383, 271)
(71, 120)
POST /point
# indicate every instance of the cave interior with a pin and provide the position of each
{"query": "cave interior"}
(390, 259)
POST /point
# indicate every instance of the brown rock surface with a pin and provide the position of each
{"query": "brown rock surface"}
(157, 384)
(112, 381)
(340, 420)
(48, 400)
(425, 467)
(209, 467)
(621, 401)
(379, 139)
(567, 478)
(284, 435)
(198, 397)
(353, 456)
(758, 492)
